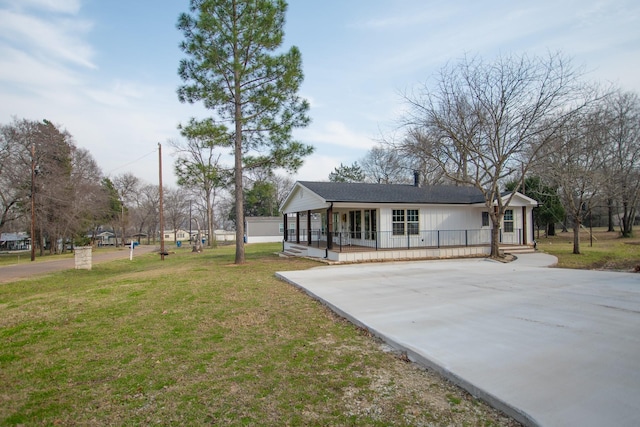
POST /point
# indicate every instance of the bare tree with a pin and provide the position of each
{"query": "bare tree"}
(129, 189)
(90, 201)
(417, 149)
(386, 166)
(489, 120)
(623, 164)
(147, 211)
(283, 185)
(15, 167)
(198, 168)
(176, 209)
(65, 185)
(574, 163)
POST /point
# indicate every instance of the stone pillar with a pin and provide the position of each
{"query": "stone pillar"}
(83, 257)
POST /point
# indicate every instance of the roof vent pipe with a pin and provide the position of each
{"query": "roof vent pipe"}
(416, 178)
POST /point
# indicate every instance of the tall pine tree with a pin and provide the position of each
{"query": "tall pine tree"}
(231, 66)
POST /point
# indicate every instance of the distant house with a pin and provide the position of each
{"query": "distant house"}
(224, 235)
(15, 242)
(183, 235)
(176, 235)
(359, 222)
(105, 238)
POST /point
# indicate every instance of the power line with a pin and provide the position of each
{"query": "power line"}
(132, 162)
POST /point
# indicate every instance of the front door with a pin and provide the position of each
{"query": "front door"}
(370, 224)
(355, 224)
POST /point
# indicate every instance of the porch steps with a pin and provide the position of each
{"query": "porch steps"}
(294, 251)
(517, 249)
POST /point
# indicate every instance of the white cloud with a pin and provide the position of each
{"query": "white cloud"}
(336, 133)
(57, 38)
(61, 6)
(406, 17)
(120, 94)
(317, 168)
(21, 69)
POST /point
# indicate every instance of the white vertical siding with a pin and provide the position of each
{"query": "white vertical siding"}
(438, 217)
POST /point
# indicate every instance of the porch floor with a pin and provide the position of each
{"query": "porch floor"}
(360, 253)
(360, 248)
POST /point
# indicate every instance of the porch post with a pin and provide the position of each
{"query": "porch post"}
(330, 227)
(309, 228)
(297, 227)
(524, 225)
(286, 228)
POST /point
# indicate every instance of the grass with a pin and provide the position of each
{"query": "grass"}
(197, 340)
(609, 250)
(12, 258)
(23, 257)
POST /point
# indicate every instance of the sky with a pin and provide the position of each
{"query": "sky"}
(106, 71)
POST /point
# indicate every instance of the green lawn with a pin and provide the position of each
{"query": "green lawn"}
(12, 258)
(197, 340)
(608, 250)
(23, 257)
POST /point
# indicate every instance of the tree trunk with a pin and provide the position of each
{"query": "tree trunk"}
(576, 236)
(495, 241)
(610, 214)
(212, 237)
(627, 220)
(551, 229)
(198, 244)
(238, 175)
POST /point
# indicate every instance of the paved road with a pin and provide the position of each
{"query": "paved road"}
(550, 347)
(26, 269)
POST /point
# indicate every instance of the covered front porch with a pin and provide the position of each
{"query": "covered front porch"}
(308, 234)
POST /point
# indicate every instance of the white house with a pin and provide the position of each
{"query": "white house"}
(15, 241)
(361, 222)
(105, 238)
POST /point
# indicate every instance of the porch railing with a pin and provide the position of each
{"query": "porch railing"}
(387, 240)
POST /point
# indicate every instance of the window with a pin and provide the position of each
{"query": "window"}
(409, 220)
(485, 219)
(397, 218)
(508, 221)
(413, 223)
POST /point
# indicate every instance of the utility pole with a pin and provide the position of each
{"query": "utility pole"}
(33, 201)
(122, 220)
(161, 207)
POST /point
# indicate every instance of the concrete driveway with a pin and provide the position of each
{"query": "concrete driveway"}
(550, 347)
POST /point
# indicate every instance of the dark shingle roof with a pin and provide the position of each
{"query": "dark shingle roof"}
(393, 193)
